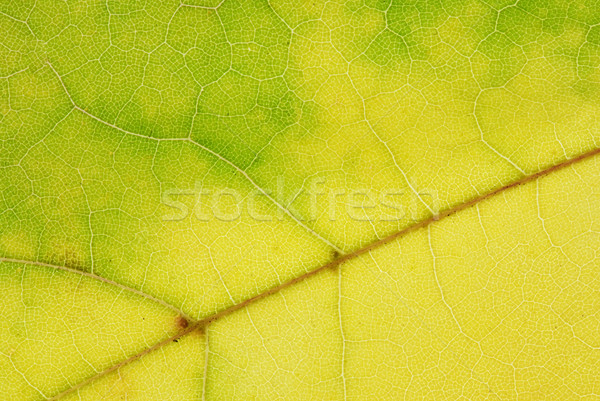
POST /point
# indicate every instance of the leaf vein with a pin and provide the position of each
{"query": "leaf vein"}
(204, 148)
(203, 324)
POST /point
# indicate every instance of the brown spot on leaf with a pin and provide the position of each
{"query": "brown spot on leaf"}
(182, 323)
(199, 330)
(335, 263)
(67, 254)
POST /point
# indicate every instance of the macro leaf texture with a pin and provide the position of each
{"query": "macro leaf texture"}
(312, 200)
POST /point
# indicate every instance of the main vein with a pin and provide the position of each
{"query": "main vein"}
(202, 324)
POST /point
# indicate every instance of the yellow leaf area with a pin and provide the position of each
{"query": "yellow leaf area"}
(363, 199)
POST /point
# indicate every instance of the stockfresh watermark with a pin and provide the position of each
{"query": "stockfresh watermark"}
(315, 200)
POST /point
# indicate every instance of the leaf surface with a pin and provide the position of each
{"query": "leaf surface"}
(263, 200)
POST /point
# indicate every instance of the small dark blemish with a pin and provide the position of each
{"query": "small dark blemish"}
(200, 328)
(182, 322)
(335, 262)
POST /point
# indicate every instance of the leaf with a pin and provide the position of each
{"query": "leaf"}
(327, 200)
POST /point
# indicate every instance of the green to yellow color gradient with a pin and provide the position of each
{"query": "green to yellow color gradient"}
(261, 200)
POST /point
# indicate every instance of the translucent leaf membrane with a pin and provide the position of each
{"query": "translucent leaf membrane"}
(166, 217)
(498, 301)
(175, 372)
(436, 102)
(279, 352)
(175, 147)
(192, 156)
(60, 328)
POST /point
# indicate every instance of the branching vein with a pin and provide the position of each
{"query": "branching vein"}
(203, 324)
